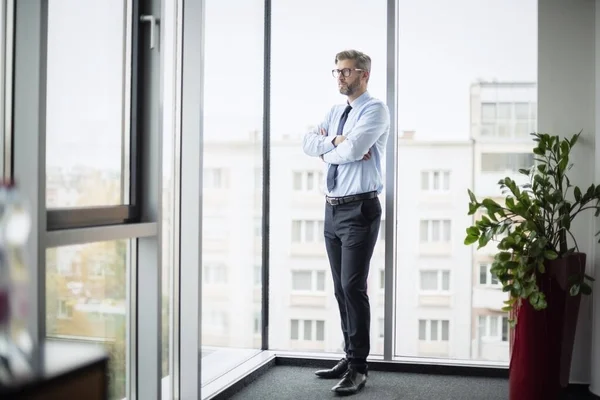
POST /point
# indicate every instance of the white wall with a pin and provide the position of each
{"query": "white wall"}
(566, 104)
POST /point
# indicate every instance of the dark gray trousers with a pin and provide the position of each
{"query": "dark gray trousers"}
(350, 235)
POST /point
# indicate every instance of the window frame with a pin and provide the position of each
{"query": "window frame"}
(82, 217)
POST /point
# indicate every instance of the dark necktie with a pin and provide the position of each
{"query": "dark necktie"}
(332, 171)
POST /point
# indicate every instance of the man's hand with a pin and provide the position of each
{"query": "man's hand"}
(367, 156)
(338, 139)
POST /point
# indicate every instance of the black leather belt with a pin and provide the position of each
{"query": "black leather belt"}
(336, 201)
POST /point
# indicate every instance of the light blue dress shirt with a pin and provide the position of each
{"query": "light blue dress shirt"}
(367, 127)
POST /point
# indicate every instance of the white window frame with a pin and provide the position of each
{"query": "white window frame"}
(64, 310)
(445, 233)
(440, 280)
(444, 181)
(313, 281)
(428, 330)
(317, 227)
(303, 177)
(313, 330)
(488, 280)
(487, 334)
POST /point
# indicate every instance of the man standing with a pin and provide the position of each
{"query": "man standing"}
(351, 141)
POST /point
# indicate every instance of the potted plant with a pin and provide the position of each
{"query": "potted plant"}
(538, 264)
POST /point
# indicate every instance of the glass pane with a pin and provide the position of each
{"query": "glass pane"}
(296, 231)
(321, 330)
(424, 231)
(429, 280)
(470, 74)
(320, 281)
(435, 231)
(434, 327)
(504, 329)
(436, 180)
(301, 280)
(483, 274)
(232, 128)
(425, 180)
(297, 181)
(446, 280)
(294, 329)
(309, 231)
(494, 326)
(310, 181)
(91, 307)
(488, 112)
(307, 330)
(445, 330)
(422, 329)
(87, 100)
(446, 180)
(295, 110)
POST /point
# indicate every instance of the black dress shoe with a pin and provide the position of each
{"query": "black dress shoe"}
(352, 382)
(336, 372)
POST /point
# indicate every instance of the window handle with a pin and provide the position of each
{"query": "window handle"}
(152, 20)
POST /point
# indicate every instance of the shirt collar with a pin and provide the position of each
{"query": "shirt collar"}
(362, 99)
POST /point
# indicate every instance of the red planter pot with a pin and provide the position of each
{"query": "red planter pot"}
(543, 340)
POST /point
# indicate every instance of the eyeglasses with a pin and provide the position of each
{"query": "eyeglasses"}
(345, 72)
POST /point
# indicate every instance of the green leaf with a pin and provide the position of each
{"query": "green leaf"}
(472, 196)
(550, 255)
(490, 204)
(574, 291)
(473, 231)
(577, 192)
(504, 256)
(539, 150)
(507, 308)
(525, 171)
(470, 239)
(586, 289)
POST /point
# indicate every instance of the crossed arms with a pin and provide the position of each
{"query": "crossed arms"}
(355, 145)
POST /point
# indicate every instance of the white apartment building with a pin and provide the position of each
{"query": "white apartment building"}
(448, 304)
(502, 117)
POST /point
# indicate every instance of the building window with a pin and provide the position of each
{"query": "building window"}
(214, 273)
(508, 119)
(486, 277)
(493, 328)
(307, 330)
(257, 275)
(435, 230)
(434, 281)
(65, 310)
(307, 181)
(214, 178)
(308, 281)
(434, 330)
(307, 231)
(435, 181)
(505, 162)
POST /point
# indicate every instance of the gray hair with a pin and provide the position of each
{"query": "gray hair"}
(362, 60)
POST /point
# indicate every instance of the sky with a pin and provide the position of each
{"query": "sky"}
(443, 48)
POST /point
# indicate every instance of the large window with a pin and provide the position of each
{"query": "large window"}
(232, 177)
(86, 300)
(459, 63)
(88, 104)
(302, 92)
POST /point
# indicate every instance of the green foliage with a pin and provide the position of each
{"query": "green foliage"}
(534, 223)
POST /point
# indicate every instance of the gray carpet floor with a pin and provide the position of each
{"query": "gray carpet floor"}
(300, 383)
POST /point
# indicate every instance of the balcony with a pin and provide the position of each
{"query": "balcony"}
(491, 298)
